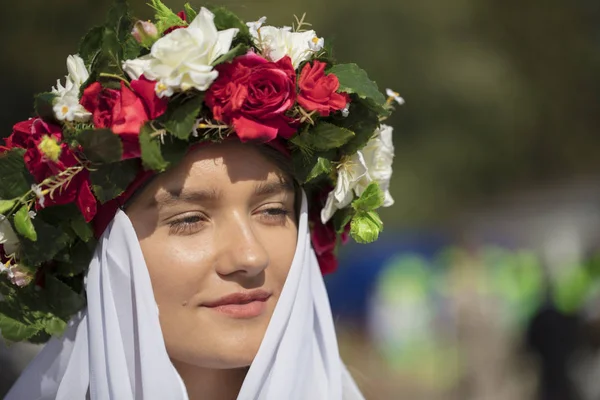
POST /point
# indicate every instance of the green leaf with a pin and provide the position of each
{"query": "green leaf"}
(43, 105)
(54, 326)
(35, 253)
(225, 19)
(180, 117)
(132, 49)
(6, 206)
(355, 80)
(365, 227)
(101, 145)
(90, 45)
(190, 13)
(15, 179)
(23, 224)
(79, 257)
(304, 163)
(110, 180)
(323, 166)
(238, 50)
(151, 155)
(342, 218)
(119, 20)
(165, 17)
(363, 122)
(14, 330)
(371, 199)
(66, 302)
(324, 136)
(83, 230)
(174, 150)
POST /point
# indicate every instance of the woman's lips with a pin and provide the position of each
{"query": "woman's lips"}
(241, 305)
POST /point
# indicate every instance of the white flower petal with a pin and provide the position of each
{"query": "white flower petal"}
(136, 68)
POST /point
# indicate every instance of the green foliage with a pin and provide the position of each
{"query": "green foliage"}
(6, 206)
(150, 146)
(181, 116)
(82, 229)
(12, 326)
(23, 224)
(323, 136)
(43, 105)
(355, 80)
(101, 145)
(236, 51)
(15, 179)
(371, 199)
(91, 44)
(34, 253)
(225, 19)
(342, 218)
(322, 166)
(190, 13)
(111, 180)
(365, 227)
(362, 121)
(165, 17)
(65, 302)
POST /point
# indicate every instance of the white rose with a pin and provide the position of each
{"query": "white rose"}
(277, 43)
(8, 238)
(183, 59)
(379, 156)
(66, 106)
(372, 164)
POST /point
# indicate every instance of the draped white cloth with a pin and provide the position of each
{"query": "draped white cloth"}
(115, 350)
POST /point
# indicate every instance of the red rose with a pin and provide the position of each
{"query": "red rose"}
(318, 92)
(324, 240)
(124, 111)
(76, 190)
(253, 94)
(33, 129)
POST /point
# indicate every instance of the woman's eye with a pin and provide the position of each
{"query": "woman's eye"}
(186, 226)
(275, 215)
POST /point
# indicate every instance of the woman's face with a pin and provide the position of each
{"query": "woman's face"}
(218, 233)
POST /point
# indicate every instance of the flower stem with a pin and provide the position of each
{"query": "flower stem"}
(114, 76)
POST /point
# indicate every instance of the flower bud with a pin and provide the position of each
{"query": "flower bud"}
(145, 32)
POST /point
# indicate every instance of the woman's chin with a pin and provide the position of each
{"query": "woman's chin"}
(230, 353)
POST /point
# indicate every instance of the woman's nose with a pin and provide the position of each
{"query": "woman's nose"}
(240, 249)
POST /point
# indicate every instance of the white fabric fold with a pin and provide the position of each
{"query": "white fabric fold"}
(115, 350)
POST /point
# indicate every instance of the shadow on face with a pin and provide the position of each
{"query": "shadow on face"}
(218, 233)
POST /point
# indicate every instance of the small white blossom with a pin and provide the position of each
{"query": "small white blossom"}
(395, 96)
(66, 106)
(8, 237)
(349, 174)
(316, 44)
(39, 194)
(182, 59)
(346, 110)
(255, 26)
(371, 164)
(277, 43)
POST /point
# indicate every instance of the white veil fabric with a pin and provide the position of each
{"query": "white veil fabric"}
(114, 349)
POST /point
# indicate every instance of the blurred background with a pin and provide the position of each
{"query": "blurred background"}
(486, 282)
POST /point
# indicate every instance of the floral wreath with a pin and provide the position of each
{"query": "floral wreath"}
(137, 96)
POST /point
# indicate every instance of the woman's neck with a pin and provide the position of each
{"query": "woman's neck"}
(214, 384)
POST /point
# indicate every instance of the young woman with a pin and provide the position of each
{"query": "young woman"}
(216, 211)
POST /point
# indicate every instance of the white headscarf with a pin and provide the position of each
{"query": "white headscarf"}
(115, 348)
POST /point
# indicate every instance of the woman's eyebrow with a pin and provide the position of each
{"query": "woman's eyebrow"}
(171, 197)
(271, 187)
